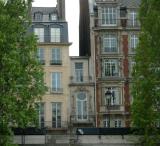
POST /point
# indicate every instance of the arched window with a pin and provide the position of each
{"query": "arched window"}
(81, 106)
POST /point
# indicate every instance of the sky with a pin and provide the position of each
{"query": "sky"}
(72, 17)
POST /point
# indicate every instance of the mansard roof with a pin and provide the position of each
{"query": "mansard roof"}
(44, 10)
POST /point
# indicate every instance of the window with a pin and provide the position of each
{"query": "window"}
(133, 18)
(56, 82)
(110, 67)
(56, 56)
(109, 16)
(56, 115)
(106, 123)
(81, 106)
(114, 98)
(132, 63)
(133, 42)
(118, 123)
(40, 55)
(40, 111)
(79, 72)
(38, 16)
(53, 17)
(110, 43)
(39, 32)
(55, 34)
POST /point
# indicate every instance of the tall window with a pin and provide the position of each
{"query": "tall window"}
(40, 111)
(56, 115)
(110, 43)
(39, 32)
(81, 106)
(115, 97)
(56, 56)
(109, 16)
(40, 55)
(111, 67)
(117, 123)
(106, 123)
(133, 42)
(133, 18)
(56, 82)
(79, 72)
(55, 34)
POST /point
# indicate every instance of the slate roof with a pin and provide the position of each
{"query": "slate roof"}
(44, 10)
(130, 3)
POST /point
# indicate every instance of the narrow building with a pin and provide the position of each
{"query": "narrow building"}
(114, 36)
(51, 28)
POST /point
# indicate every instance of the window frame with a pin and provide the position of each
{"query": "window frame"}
(83, 109)
(55, 34)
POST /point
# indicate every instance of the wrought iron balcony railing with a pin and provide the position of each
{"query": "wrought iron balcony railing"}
(53, 124)
(56, 90)
(81, 79)
(110, 108)
(115, 23)
(56, 62)
(82, 118)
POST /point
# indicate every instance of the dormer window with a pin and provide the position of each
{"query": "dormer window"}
(53, 17)
(38, 16)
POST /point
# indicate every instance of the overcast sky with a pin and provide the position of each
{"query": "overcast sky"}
(72, 17)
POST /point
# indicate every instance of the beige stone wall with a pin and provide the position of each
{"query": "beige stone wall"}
(63, 97)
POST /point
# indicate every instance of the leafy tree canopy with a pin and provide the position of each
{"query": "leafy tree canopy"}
(21, 76)
(146, 75)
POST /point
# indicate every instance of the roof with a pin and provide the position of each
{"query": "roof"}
(130, 3)
(44, 10)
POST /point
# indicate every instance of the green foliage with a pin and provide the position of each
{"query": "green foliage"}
(146, 81)
(21, 76)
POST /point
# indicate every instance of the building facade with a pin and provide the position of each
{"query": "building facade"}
(82, 93)
(114, 36)
(51, 29)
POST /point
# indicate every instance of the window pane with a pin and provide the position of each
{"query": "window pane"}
(55, 34)
(56, 81)
(109, 16)
(79, 72)
(56, 114)
(39, 32)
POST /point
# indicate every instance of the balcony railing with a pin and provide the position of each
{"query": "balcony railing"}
(115, 23)
(50, 39)
(82, 118)
(80, 79)
(56, 90)
(105, 0)
(110, 108)
(53, 124)
(41, 61)
(56, 62)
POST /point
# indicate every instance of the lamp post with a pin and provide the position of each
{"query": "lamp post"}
(108, 96)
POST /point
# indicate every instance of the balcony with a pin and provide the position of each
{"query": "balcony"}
(116, 23)
(82, 119)
(105, 1)
(56, 90)
(81, 79)
(111, 108)
(50, 39)
(55, 62)
(53, 125)
(41, 61)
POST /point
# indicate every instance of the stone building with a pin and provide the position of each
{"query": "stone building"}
(114, 37)
(51, 28)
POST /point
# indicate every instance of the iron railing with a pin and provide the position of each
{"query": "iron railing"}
(55, 62)
(80, 79)
(53, 124)
(115, 23)
(82, 118)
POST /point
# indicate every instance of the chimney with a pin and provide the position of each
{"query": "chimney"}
(61, 9)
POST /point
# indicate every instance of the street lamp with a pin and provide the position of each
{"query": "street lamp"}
(108, 96)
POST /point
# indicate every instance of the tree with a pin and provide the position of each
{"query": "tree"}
(21, 76)
(146, 74)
